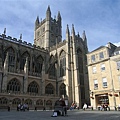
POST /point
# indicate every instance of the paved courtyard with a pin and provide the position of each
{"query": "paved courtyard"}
(72, 115)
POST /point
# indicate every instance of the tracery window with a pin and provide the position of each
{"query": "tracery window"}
(3, 101)
(62, 64)
(16, 101)
(13, 85)
(33, 87)
(49, 89)
(39, 102)
(11, 59)
(52, 70)
(63, 89)
(28, 102)
(23, 60)
(39, 64)
(49, 102)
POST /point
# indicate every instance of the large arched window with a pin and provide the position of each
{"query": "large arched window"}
(39, 102)
(33, 87)
(39, 64)
(80, 67)
(16, 101)
(62, 64)
(52, 70)
(11, 59)
(3, 101)
(13, 85)
(28, 102)
(23, 60)
(49, 89)
(62, 89)
(49, 102)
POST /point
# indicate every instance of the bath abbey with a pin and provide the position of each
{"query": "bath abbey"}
(52, 68)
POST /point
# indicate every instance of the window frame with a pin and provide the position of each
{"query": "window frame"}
(104, 82)
(95, 84)
(101, 55)
(93, 58)
(102, 67)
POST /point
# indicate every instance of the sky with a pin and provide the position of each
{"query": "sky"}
(99, 18)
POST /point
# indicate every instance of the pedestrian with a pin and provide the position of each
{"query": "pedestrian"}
(84, 106)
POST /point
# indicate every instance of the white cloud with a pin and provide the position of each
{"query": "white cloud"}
(117, 44)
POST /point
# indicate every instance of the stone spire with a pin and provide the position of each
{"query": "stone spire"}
(85, 41)
(4, 31)
(58, 16)
(78, 34)
(67, 30)
(84, 36)
(67, 34)
(37, 22)
(20, 36)
(73, 31)
(48, 13)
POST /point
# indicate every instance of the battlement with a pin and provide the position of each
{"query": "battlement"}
(19, 41)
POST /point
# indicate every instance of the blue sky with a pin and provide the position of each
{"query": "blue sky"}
(99, 18)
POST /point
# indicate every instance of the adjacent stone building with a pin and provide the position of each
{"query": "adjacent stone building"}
(104, 76)
(41, 73)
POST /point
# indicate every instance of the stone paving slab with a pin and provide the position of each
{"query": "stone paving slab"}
(72, 115)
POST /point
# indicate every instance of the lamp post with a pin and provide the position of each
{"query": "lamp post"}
(91, 96)
(9, 102)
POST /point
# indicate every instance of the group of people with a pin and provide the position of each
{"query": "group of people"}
(104, 107)
(22, 107)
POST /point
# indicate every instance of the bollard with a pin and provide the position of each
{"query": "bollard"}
(35, 108)
(9, 108)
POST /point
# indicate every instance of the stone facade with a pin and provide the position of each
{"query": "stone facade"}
(40, 74)
(104, 76)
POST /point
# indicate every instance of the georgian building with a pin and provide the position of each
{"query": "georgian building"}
(104, 76)
(41, 73)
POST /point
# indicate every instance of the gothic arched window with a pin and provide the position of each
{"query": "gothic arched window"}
(11, 59)
(23, 60)
(62, 64)
(39, 64)
(39, 102)
(28, 102)
(16, 101)
(13, 85)
(3, 101)
(49, 89)
(62, 89)
(33, 87)
(52, 70)
(49, 102)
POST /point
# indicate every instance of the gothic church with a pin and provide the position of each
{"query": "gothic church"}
(41, 73)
